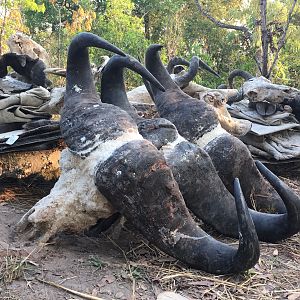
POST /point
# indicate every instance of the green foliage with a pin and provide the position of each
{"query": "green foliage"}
(132, 25)
(119, 26)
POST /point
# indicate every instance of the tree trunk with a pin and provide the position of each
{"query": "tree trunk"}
(264, 37)
(24, 164)
(147, 26)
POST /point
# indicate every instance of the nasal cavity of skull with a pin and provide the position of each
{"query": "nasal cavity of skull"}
(265, 108)
(252, 95)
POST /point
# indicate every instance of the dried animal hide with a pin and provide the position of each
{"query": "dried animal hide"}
(282, 145)
(36, 135)
(54, 105)
(24, 107)
(271, 137)
(218, 101)
(22, 44)
(242, 110)
(259, 89)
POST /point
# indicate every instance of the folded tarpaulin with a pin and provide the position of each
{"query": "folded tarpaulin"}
(24, 107)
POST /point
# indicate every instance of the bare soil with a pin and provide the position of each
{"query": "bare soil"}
(126, 267)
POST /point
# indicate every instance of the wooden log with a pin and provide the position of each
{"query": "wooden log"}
(44, 163)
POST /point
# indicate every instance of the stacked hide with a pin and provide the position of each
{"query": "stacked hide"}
(30, 140)
(24, 123)
(274, 112)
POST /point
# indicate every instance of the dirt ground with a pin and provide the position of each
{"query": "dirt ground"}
(127, 267)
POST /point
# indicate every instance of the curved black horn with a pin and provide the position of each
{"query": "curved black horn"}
(112, 82)
(3, 66)
(78, 62)
(290, 199)
(127, 179)
(175, 105)
(211, 202)
(175, 61)
(195, 64)
(141, 186)
(157, 69)
(187, 77)
(158, 131)
(81, 91)
(235, 73)
(222, 86)
(205, 66)
(237, 97)
(269, 227)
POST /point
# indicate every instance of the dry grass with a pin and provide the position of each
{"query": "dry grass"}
(275, 276)
(23, 193)
(13, 266)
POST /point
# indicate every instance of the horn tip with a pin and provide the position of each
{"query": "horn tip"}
(237, 187)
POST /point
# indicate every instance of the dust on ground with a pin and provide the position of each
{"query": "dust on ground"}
(127, 267)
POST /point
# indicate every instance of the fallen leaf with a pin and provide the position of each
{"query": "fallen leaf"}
(170, 296)
(294, 296)
(109, 278)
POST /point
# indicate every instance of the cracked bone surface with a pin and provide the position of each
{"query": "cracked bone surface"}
(218, 101)
(74, 203)
(260, 89)
(141, 95)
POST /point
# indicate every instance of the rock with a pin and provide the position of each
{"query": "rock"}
(171, 296)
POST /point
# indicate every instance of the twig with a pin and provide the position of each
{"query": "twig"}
(244, 29)
(282, 39)
(82, 295)
(133, 289)
(23, 261)
(287, 291)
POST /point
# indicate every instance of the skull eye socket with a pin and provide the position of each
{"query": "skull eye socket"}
(252, 94)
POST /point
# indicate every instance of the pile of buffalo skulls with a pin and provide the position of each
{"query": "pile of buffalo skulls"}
(152, 171)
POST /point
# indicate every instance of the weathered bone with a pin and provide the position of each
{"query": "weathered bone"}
(236, 127)
(74, 204)
(20, 43)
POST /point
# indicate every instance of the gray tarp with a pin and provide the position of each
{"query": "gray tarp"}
(24, 107)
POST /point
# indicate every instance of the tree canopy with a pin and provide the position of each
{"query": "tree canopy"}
(184, 28)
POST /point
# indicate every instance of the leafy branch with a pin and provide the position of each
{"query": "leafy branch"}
(266, 35)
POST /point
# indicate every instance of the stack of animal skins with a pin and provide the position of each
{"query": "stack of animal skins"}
(25, 124)
(275, 137)
(29, 139)
(273, 110)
